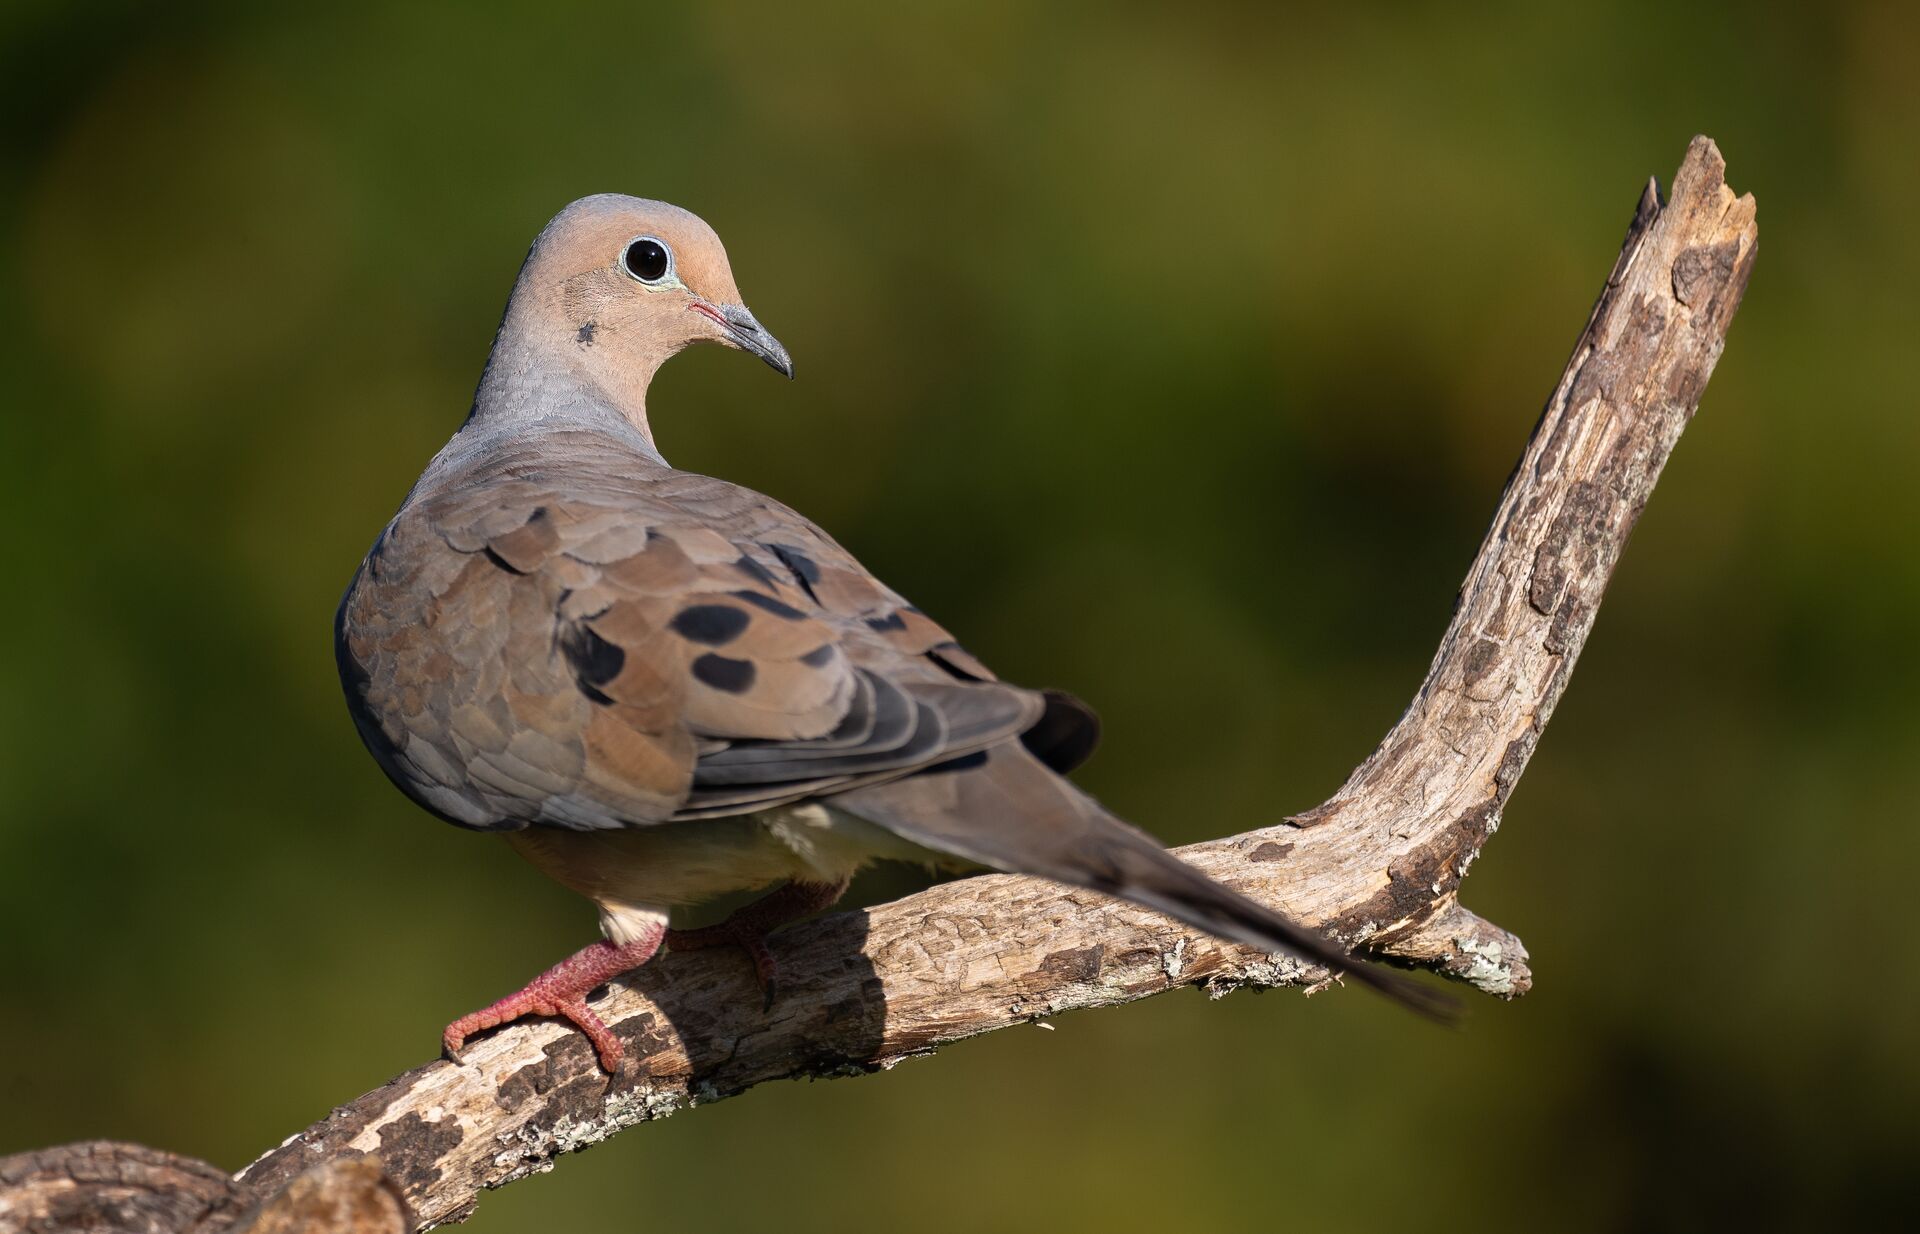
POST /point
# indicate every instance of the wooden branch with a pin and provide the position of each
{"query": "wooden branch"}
(1379, 864)
(101, 1186)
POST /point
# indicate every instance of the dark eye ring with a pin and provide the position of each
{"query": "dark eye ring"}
(647, 259)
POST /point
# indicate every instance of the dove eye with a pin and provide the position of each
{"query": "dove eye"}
(647, 260)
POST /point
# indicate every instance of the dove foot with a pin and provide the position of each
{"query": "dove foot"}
(562, 991)
(748, 928)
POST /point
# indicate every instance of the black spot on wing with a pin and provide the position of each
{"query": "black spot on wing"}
(724, 673)
(803, 566)
(892, 621)
(805, 571)
(715, 625)
(819, 657)
(594, 660)
(754, 570)
(767, 604)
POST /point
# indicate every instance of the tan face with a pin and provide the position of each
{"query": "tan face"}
(624, 283)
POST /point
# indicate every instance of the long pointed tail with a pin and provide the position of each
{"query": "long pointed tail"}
(1005, 810)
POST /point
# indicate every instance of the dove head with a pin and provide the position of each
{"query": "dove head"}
(612, 287)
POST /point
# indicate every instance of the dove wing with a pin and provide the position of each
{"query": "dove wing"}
(532, 641)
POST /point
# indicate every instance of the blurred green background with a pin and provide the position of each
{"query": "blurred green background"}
(1234, 318)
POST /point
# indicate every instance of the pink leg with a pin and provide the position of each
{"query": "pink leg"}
(748, 928)
(562, 990)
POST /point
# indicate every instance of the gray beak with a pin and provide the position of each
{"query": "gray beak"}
(749, 335)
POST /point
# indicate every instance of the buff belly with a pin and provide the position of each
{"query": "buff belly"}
(636, 875)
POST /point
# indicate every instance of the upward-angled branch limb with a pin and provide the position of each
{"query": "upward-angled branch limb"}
(1379, 864)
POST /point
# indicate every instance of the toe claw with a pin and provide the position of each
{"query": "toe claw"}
(562, 991)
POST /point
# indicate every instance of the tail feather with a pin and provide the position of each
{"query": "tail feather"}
(1011, 813)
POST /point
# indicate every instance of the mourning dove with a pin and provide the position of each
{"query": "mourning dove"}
(662, 687)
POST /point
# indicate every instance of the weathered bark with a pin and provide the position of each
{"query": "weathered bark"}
(125, 1188)
(1378, 865)
(110, 1188)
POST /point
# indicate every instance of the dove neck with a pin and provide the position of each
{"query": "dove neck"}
(531, 381)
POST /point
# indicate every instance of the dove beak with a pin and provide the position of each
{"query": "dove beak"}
(743, 330)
